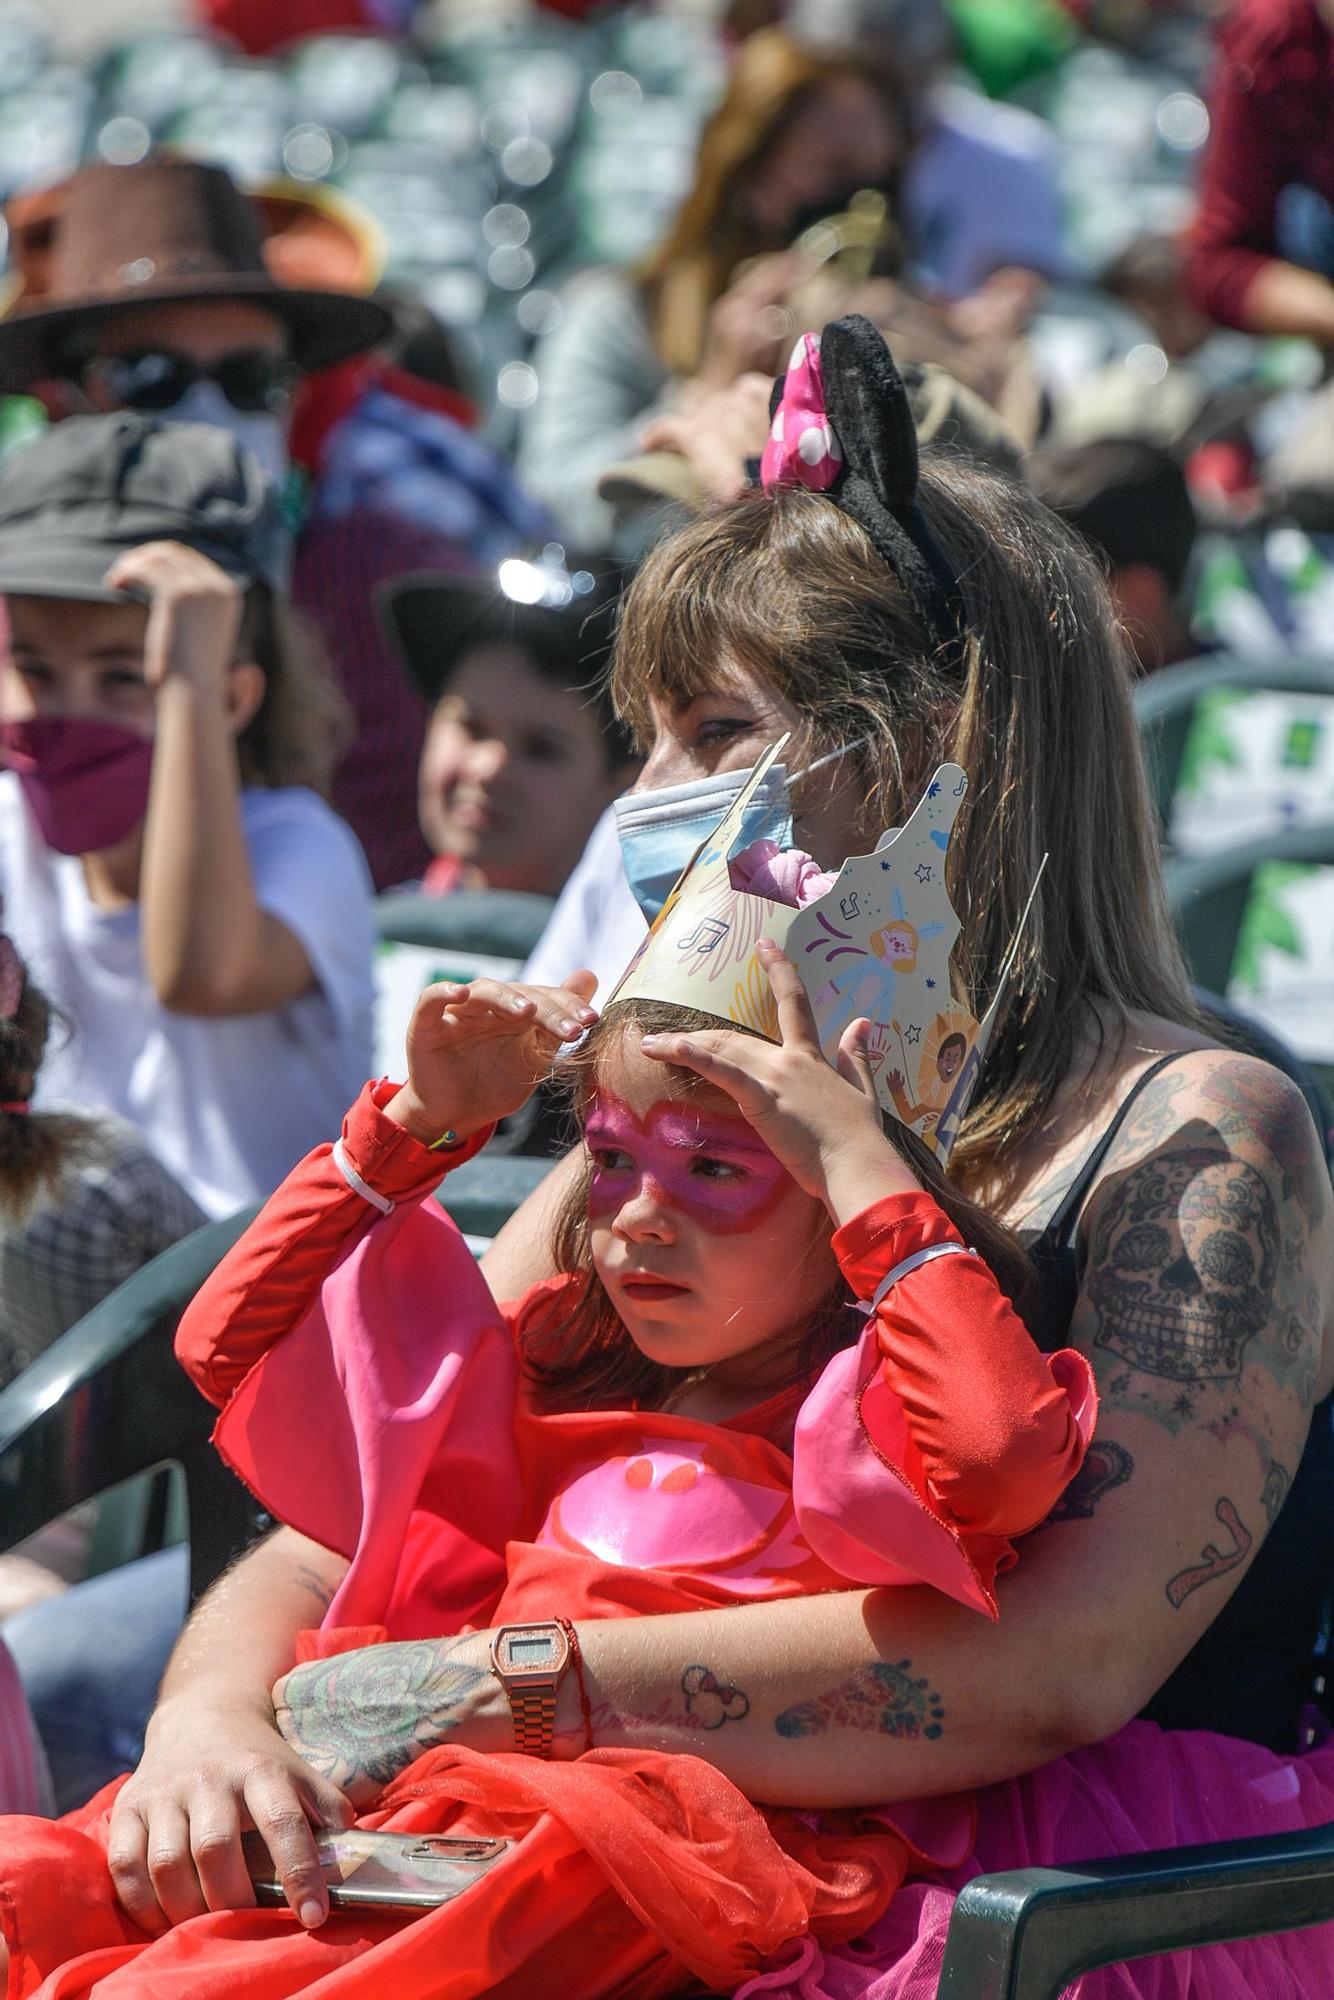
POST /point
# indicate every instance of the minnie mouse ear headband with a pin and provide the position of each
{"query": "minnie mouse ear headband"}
(843, 425)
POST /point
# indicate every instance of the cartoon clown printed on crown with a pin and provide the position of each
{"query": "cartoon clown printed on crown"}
(874, 942)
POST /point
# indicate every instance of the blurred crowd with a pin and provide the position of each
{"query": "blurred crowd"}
(360, 352)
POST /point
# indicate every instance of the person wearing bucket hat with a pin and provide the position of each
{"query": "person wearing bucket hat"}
(192, 907)
(522, 749)
(163, 287)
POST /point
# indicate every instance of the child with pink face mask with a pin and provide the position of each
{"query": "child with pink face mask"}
(195, 912)
(772, 1363)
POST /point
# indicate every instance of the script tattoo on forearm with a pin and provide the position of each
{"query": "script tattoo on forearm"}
(887, 1700)
(1214, 1562)
(1106, 1466)
(365, 1716)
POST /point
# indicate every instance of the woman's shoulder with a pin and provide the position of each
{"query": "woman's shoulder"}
(1199, 1096)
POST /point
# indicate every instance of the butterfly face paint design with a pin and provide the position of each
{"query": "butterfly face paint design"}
(709, 1168)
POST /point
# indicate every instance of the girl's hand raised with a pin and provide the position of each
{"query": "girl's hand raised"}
(194, 612)
(475, 1052)
(822, 1124)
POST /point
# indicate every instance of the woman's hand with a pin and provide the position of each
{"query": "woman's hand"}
(822, 1124)
(175, 1837)
(717, 433)
(475, 1052)
(194, 612)
(361, 1718)
(749, 327)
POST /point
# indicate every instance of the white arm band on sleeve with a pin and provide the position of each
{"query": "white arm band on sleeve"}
(913, 1263)
(357, 1184)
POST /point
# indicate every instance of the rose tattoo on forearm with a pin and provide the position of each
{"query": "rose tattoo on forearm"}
(361, 1718)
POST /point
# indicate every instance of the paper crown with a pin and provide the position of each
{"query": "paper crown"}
(877, 943)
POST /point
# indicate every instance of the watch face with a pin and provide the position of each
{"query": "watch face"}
(537, 1649)
(530, 1649)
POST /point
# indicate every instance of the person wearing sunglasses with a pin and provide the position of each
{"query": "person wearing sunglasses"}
(164, 289)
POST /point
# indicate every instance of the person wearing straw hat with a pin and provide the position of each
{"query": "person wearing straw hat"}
(163, 287)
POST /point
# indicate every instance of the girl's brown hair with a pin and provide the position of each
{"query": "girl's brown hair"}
(36, 1147)
(581, 1357)
(1035, 705)
(303, 722)
(771, 82)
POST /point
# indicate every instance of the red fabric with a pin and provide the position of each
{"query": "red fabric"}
(323, 399)
(1272, 124)
(635, 1873)
(262, 25)
(997, 1440)
(445, 874)
(269, 1278)
(624, 1882)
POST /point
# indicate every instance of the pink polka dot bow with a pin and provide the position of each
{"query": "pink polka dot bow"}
(801, 449)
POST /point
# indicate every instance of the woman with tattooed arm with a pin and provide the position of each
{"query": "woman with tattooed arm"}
(1145, 1682)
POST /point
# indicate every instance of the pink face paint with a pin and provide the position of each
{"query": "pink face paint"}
(711, 1169)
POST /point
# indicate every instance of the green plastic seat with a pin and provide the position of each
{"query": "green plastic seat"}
(494, 923)
(1165, 706)
(1026, 1934)
(106, 1414)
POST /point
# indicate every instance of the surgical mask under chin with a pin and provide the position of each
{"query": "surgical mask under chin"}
(262, 435)
(85, 781)
(660, 830)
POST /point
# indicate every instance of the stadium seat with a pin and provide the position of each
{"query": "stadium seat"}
(492, 923)
(106, 1408)
(1165, 705)
(1026, 1934)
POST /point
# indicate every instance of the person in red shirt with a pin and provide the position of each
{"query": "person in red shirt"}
(1261, 251)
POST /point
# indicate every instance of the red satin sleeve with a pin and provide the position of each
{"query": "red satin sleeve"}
(268, 1280)
(993, 1418)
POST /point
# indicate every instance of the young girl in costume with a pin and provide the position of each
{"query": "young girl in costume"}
(194, 910)
(695, 1413)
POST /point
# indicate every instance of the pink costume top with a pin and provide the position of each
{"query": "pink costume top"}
(373, 1399)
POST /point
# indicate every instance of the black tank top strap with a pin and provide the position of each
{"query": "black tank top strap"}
(1056, 1253)
(1062, 1226)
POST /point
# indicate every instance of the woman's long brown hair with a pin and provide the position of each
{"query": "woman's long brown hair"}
(1036, 709)
(772, 80)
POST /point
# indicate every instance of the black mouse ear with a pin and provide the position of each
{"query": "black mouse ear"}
(869, 409)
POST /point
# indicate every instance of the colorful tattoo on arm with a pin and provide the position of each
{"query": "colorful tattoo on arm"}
(711, 1702)
(887, 1700)
(1214, 1562)
(361, 1718)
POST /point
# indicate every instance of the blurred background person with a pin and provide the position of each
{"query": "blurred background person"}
(1130, 502)
(522, 749)
(161, 287)
(1262, 244)
(801, 131)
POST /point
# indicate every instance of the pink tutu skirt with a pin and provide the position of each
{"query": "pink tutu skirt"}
(1144, 1788)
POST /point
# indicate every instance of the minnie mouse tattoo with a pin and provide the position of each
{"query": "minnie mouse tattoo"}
(711, 1702)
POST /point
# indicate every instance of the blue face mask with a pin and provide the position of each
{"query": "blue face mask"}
(660, 830)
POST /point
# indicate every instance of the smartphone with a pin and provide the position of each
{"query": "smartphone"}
(402, 1871)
